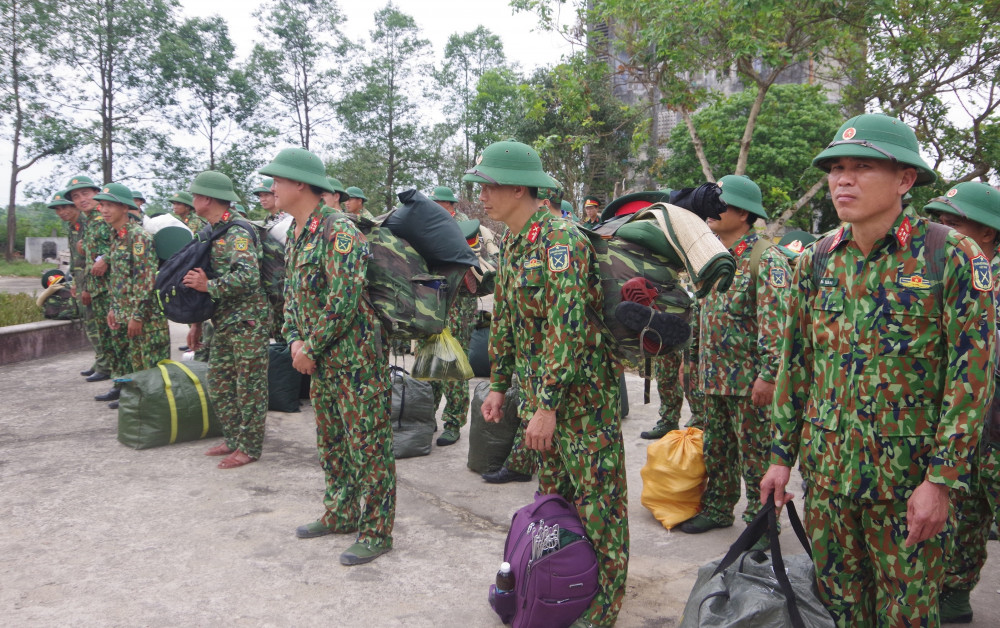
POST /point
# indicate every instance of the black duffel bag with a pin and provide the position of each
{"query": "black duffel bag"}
(490, 443)
(412, 415)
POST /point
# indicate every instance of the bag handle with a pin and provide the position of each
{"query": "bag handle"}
(766, 522)
(168, 388)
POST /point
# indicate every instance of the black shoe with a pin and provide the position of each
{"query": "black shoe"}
(182, 348)
(659, 431)
(505, 475)
(98, 377)
(113, 405)
(88, 372)
(701, 523)
(111, 395)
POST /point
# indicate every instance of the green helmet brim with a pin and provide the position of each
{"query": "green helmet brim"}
(294, 174)
(106, 196)
(863, 149)
(503, 176)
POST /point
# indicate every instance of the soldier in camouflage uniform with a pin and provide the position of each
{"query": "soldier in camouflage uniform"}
(237, 376)
(135, 317)
(272, 276)
(81, 190)
(738, 344)
(354, 205)
(570, 381)
(332, 200)
(972, 209)
(183, 206)
(336, 338)
(882, 414)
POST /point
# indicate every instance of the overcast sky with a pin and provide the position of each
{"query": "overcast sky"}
(437, 20)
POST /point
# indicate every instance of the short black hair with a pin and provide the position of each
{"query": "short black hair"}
(751, 218)
(318, 191)
(533, 192)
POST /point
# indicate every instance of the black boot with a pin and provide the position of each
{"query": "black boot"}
(111, 395)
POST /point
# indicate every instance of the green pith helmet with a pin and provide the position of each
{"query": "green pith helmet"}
(794, 242)
(298, 164)
(264, 187)
(137, 195)
(510, 163)
(740, 191)
(353, 192)
(183, 197)
(240, 209)
(976, 201)
(631, 203)
(80, 182)
(443, 193)
(877, 136)
(336, 184)
(215, 185)
(567, 207)
(118, 193)
(59, 200)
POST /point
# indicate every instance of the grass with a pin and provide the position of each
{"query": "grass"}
(23, 269)
(16, 309)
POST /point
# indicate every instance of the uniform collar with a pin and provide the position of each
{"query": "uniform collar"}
(533, 225)
(746, 240)
(898, 236)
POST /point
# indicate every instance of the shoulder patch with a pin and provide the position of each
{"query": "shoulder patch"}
(343, 242)
(241, 243)
(778, 277)
(138, 247)
(558, 255)
(982, 274)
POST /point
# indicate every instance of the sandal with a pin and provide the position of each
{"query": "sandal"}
(236, 459)
(219, 450)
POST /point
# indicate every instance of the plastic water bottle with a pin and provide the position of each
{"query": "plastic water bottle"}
(505, 579)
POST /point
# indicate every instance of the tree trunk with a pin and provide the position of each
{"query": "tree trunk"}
(772, 229)
(699, 148)
(758, 102)
(16, 139)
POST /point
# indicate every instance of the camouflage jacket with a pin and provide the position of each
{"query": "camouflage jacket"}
(97, 238)
(881, 386)
(740, 329)
(236, 288)
(132, 275)
(324, 305)
(193, 221)
(77, 262)
(541, 331)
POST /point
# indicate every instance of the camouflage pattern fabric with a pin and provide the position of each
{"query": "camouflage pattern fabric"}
(78, 269)
(666, 369)
(193, 221)
(134, 264)
(237, 376)
(97, 242)
(873, 403)
(548, 276)
(324, 308)
(272, 273)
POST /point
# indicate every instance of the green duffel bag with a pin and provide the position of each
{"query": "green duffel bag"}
(412, 415)
(490, 443)
(166, 405)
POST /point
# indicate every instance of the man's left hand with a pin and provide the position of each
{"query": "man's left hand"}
(541, 427)
(763, 393)
(302, 364)
(926, 512)
(196, 279)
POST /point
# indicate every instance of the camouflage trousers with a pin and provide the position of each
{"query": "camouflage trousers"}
(672, 394)
(865, 574)
(461, 320)
(237, 384)
(737, 443)
(276, 305)
(354, 439)
(204, 354)
(595, 483)
(975, 513)
(520, 458)
(95, 322)
(131, 355)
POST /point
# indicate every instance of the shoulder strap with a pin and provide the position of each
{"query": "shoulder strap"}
(934, 244)
(757, 251)
(821, 253)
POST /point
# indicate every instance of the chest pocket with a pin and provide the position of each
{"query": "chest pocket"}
(310, 272)
(905, 321)
(530, 290)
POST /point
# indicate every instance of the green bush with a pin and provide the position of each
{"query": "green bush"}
(23, 269)
(16, 309)
(33, 221)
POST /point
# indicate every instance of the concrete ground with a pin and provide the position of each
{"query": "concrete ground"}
(95, 534)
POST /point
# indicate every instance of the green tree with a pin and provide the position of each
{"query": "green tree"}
(381, 113)
(298, 64)
(795, 123)
(34, 129)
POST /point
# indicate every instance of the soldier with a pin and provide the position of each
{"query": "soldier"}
(461, 320)
(75, 225)
(355, 203)
(569, 379)
(139, 200)
(183, 205)
(334, 198)
(550, 199)
(883, 415)
(738, 351)
(336, 337)
(972, 209)
(92, 291)
(135, 317)
(237, 376)
(273, 261)
(591, 212)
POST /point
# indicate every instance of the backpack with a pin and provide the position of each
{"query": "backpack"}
(187, 305)
(272, 258)
(555, 577)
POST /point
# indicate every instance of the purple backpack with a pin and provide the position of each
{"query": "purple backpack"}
(554, 566)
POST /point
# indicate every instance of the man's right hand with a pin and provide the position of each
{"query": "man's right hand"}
(774, 482)
(194, 337)
(492, 406)
(85, 297)
(99, 268)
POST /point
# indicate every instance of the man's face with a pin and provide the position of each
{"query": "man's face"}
(331, 199)
(115, 214)
(181, 209)
(267, 201)
(733, 220)
(285, 192)
(863, 189)
(67, 213)
(202, 205)
(592, 212)
(354, 205)
(139, 202)
(83, 198)
(499, 201)
(447, 205)
(983, 235)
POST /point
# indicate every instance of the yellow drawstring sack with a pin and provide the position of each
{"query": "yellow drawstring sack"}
(674, 476)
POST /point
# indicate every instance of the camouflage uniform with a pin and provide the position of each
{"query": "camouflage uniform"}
(133, 273)
(666, 369)
(78, 269)
(350, 391)
(193, 221)
(540, 331)
(873, 404)
(739, 338)
(237, 376)
(273, 275)
(97, 238)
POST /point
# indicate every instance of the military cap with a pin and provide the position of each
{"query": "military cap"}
(591, 201)
(877, 136)
(443, 193)
(567, 207)
(794, 242)
(298, 164)
(740, 191)
(81, 182)
(631, 203)
(137, 195)
(239, 208)
(336, 184)
(469, 228)
(264, 187)
(50, 277)
(353, 192)
(183, 197)
(976, 201)
(510, 163)
(118, 193)
(59, 200)
(214, 184)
